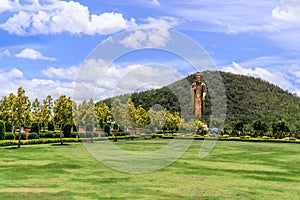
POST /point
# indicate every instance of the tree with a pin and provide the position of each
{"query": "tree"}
(63, 112)
(22, 110)
(279, 128)
(157, 118)
(191, 126)
(142, 118)
(85, 115)
(8, 110)
(121, 113)
(130, 114)
(238, 125)
(36, 110)
(46, 111)
(173, 121)
(103, 113)
(3, 108)
(259, 127)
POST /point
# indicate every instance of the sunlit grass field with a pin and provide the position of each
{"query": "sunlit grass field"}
(233, 170)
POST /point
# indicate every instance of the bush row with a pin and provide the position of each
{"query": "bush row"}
(38, 141)
(49, 134)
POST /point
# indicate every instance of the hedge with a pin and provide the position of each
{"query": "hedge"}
(9, 136)
(38, 141)
(33, 136)
(35, 128)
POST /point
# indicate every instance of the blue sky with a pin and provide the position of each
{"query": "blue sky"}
(44, 43)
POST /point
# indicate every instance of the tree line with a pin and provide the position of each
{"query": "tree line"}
(17, 111)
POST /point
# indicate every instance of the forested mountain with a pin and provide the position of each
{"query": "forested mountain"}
(247, 99)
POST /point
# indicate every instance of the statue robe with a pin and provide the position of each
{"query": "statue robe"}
(197, 98)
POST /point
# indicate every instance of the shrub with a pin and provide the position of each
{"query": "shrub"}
(23, 136)
(82, 135)
(104, 135)
(67, 129)
(33, 136)
(107, 129)
(8, 128)
(2, 129)
(57, 135)
(35, 128)
(9, 136)
(73, 134)
(89, 134)
(121, 134)
(51, 127)
(48, 134)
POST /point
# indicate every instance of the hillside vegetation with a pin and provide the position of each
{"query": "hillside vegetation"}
(238, 97)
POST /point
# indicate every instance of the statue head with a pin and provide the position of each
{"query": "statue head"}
(198, 77)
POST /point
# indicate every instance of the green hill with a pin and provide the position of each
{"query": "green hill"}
(247, 99)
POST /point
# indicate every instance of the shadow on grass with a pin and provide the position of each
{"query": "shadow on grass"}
(11, 147)
(60, 144)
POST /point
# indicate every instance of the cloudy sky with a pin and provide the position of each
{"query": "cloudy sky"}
(46, 44)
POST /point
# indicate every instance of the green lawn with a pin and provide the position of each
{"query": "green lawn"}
(233, 170)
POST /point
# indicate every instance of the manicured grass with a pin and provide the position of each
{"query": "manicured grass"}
(233, 170)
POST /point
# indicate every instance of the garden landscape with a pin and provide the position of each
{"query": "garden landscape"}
(250, 160)
(149, 99)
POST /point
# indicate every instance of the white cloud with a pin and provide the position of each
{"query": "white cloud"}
(160, 22)
(5, 5)
(155, 3)
(33, 54)
(13, 73)
(231, 16)
(100, 79)
(73, 17)
(62, 16)
(154, 38)
(69, 73)
(40, 88)
(276, 77)
(289, 11)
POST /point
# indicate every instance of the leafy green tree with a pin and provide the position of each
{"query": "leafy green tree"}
(121, 114)
(131, 114)
(173, 121)
(259, 127)
(238, 126)
(46, 111)
(35, 128)
(36, 110)
(191, 126)
(22, 110)
(86, 114)
(63, 112)
(157, 118)
(279, 128)
(103, 113)
(9, 111)
(142, 118)
(3, 108)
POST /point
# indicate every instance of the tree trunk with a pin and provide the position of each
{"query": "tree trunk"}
(19, 143)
